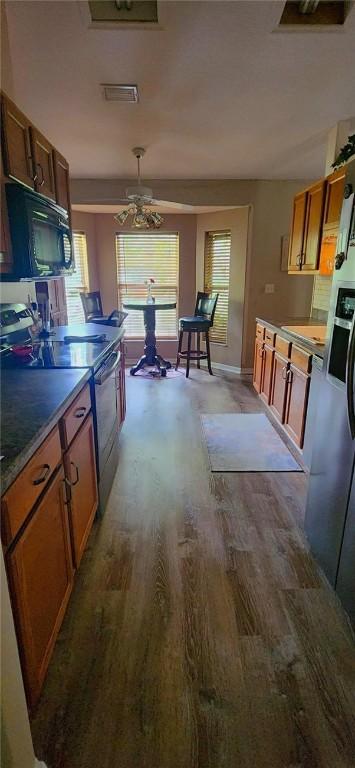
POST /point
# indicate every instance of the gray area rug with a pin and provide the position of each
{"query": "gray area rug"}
(245, 442)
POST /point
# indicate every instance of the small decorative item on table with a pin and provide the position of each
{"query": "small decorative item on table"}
(149, 283)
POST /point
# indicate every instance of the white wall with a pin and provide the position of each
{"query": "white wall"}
(237, 221)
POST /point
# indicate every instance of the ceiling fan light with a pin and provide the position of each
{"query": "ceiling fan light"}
(121, 217)
(157, 218)
(139, 220)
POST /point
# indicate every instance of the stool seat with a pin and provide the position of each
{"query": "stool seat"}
(198, 323)
(195, 323)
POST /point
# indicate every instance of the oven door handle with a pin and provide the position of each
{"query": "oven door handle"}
(350, 363)
(108, 368)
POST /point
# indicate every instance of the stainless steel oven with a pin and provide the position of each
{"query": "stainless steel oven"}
(108, 417)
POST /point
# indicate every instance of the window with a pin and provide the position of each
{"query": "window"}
(78, 281)
(217, 264)
(140, 256)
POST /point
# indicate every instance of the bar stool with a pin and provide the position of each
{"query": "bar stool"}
(201, 322)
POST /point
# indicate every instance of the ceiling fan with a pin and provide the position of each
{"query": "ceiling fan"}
(139, 199)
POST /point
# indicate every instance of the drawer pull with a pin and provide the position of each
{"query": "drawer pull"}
(41, 479)
(284, 373)
(79, 413)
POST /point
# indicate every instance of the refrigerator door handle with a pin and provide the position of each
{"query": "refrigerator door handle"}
(350, 363)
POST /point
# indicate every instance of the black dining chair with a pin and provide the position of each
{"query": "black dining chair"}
(201, 322)
(92, 306)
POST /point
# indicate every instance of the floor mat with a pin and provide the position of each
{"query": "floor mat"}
(245, 442)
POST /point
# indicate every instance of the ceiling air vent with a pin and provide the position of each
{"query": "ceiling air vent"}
(128, 93)
(123, 12)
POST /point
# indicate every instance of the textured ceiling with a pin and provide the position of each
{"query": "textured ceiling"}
(222, 95)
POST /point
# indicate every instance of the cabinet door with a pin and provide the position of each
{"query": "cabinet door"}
(314, 216)
(296, 404)
(123, 382)
(80, 470)
(279, 386)
(258, 365)
(297, 231)
(268, 360)
(327, 253)
(334, 198)
(17, 146)
(41, 576)
(61, 178)
(42, 152)
(6, 260)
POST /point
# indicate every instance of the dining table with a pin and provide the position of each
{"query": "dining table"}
(150, 356)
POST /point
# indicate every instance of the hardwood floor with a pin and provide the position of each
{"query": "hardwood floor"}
(200, 633)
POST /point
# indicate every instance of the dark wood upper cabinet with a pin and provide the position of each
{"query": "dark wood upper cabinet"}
(313, 226)
(42, 152)
(334, 198)
(61, 179)
(16, 140)
(297, 231)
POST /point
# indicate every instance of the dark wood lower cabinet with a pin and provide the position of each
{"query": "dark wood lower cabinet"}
(279, 386)
(267, 369)
(40, 571)
(298, 384)
(80, 471)
(258, 365)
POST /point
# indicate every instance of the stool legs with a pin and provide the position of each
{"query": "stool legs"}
(208, 353)
(198, 347)
(188, 354)
(179, 350)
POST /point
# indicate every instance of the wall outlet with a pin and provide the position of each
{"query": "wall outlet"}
(269, 288)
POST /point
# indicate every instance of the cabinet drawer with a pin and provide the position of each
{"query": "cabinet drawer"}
(301, 359)
(270, 337)
(260, 331)
(23, 493)
(76, 414)
(283, 346)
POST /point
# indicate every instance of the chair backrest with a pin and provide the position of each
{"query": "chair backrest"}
(206, 305)
(92, 304)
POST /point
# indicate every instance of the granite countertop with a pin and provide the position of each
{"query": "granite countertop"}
(32, 402)
(307, 344)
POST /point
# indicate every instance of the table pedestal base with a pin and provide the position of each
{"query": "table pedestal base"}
(157, 360)
(151, 356)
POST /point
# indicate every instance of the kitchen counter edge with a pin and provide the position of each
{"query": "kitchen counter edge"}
(300, 341)
(11, 472)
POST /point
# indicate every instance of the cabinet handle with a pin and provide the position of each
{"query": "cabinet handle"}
(261, 352)
(289, 376)
(34, 174)
(43, 476)
(77, 473)
(42, 174)
(284, 373)
(80, 412)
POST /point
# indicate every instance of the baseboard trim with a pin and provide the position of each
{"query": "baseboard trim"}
(219, 366)
(228, 368)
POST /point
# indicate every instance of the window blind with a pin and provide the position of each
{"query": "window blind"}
(78, 281)
(216, 279)
(140, 256)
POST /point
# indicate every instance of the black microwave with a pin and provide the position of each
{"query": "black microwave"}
(40, 235)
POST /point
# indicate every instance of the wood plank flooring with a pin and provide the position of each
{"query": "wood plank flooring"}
(200, 633)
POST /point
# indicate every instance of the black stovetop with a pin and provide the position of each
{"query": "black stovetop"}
(56, 353)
